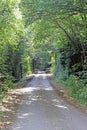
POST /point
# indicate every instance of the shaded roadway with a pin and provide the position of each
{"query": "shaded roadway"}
(42, 109)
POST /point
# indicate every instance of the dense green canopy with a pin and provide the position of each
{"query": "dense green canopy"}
(43, 34)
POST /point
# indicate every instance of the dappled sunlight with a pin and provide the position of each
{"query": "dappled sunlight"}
(39, 100)
(29, 89)
(24, 115)
(48, 88)
(17, 128)
(58, 103)
(38, 83)
(32, 89)
(42, 75)
(37, 89)
(62, 107)
(8, 107)
(37, 104)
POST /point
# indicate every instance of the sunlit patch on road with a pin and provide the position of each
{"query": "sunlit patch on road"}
(24, 115)
(58, 103)
(41, 108)
(39, 83)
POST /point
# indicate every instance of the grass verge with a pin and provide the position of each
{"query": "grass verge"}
(72, 91)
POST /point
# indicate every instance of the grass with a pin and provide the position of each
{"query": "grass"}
(77, 88)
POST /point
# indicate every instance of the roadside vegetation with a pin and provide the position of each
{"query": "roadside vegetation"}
(45, 35)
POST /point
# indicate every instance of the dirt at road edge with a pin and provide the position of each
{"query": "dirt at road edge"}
(63, 92)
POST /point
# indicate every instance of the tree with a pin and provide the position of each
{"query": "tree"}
(68, 19)
(12, 44)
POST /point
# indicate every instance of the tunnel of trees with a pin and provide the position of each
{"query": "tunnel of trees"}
(44, 34)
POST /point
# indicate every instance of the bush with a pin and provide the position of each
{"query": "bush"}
(77, 88)
(82, 95)
(73, 83)
(6, 85)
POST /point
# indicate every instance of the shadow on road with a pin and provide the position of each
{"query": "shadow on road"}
(42, 109)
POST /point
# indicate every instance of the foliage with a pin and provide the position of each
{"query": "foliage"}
(67, 20)
(77, 89)
(12, 45)
(81, 96)
(42, 34)
(67, 24)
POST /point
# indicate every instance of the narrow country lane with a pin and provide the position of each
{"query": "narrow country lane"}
(42, 109)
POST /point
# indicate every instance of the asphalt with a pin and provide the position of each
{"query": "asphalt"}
(42, 109)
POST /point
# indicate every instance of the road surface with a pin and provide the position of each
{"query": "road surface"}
(42, 109)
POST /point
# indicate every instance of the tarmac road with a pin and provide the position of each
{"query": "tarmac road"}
(42, 109)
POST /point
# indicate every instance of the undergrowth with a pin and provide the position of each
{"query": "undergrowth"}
(9, 84)
(5, 86)
(77, 88)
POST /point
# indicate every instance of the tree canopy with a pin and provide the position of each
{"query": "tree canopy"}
(43, 34)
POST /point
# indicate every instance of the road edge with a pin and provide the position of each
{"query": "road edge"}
(63, 93)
